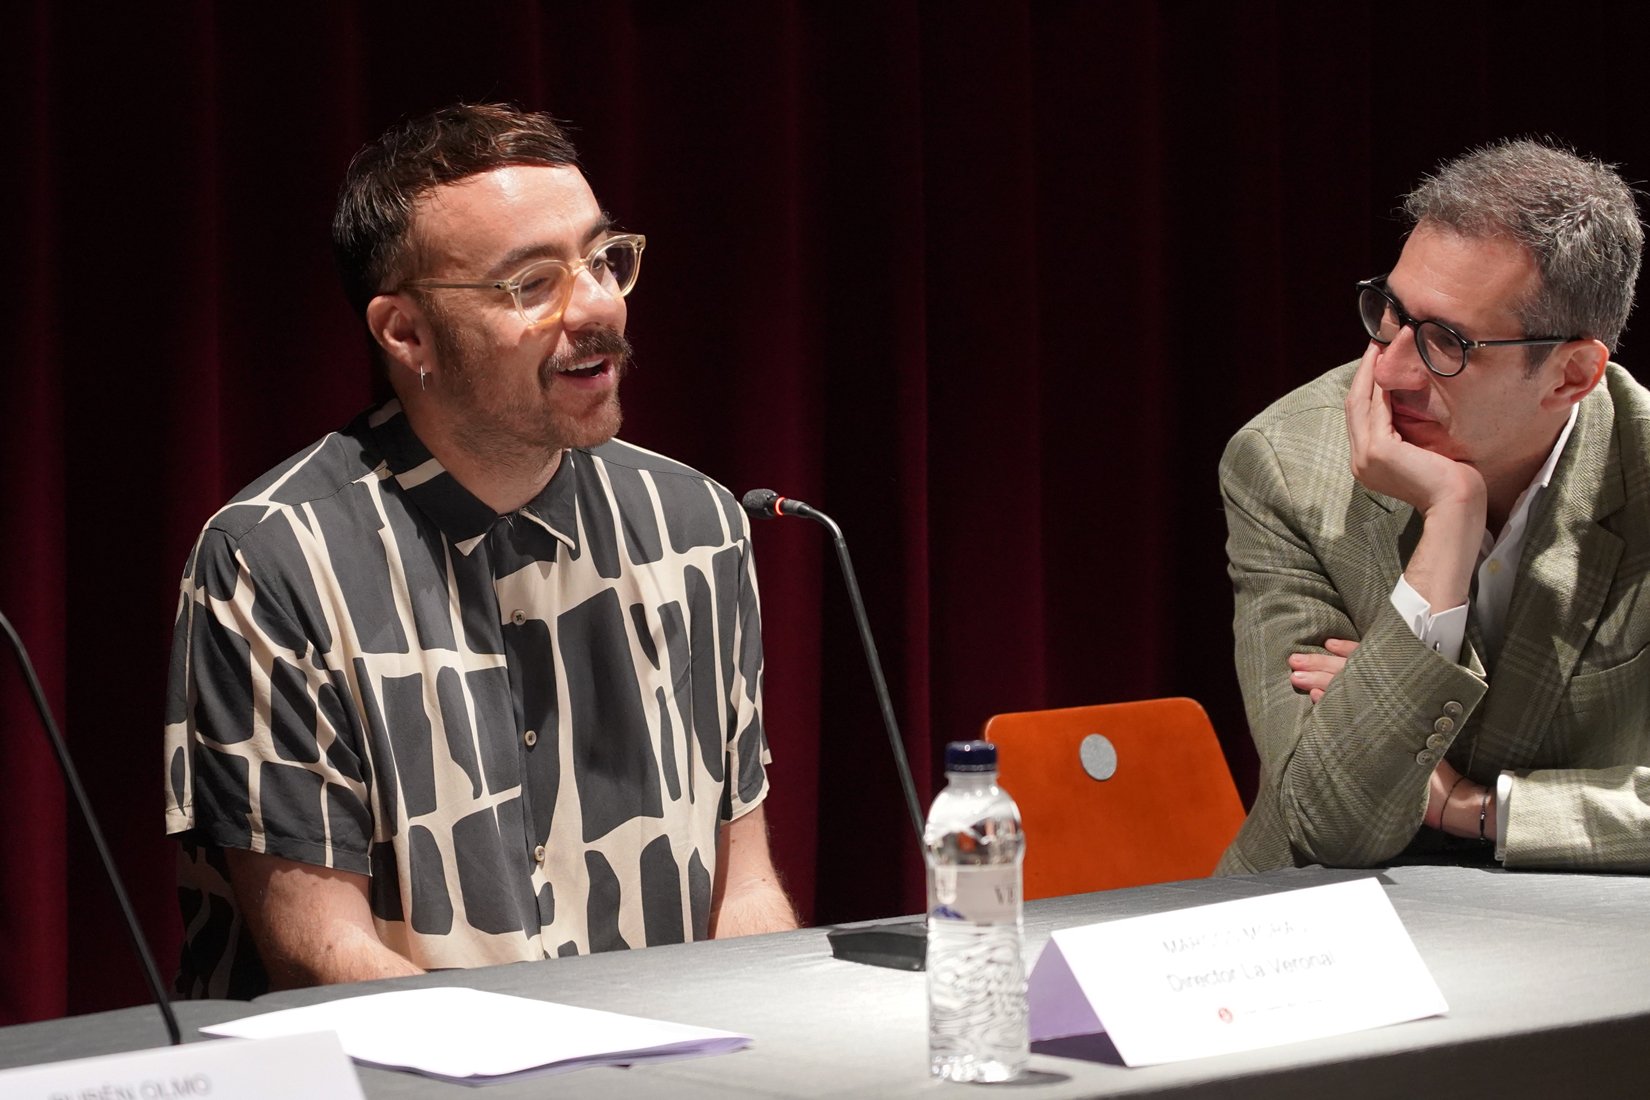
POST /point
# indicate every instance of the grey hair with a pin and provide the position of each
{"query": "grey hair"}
(1575, 215)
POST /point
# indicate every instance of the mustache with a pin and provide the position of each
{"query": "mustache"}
(602, 341)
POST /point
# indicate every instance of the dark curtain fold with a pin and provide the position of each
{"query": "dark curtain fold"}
(992, 283)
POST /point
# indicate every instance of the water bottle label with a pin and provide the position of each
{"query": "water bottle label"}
(978, 895)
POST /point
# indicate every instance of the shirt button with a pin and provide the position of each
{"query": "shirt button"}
(1436, 742)
(538, 854)
(1426, 758)
(1495, 566)
(1453, 709)
(1444, 725)
(531, 737)
(518, 616)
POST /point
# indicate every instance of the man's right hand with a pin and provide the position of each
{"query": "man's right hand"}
(1382, 460)
(1450, 496)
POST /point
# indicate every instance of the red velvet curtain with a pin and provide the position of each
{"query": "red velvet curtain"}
(990, 282)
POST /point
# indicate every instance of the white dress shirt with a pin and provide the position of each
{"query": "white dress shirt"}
(1498, 560)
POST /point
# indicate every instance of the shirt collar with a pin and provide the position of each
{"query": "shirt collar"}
(461, 515)
(1544, 476)
(1520, 514)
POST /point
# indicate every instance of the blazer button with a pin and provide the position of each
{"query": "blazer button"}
(1436, 742)
(538, 854)
(1426, 758)
(1444, 725)
(1453, 709)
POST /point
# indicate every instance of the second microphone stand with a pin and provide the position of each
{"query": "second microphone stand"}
(900, 945)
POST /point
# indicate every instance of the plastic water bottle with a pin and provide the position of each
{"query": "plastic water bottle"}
(976, 976)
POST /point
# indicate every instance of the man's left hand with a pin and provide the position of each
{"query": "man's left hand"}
(1312, 672)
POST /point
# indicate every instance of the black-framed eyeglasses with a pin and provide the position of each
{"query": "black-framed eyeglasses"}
(1442, 349)
(542, 289)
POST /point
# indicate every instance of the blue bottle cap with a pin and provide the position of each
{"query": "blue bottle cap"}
(971, 756)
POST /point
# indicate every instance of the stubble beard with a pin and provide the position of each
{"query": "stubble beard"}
(598, 425)
(520, 433)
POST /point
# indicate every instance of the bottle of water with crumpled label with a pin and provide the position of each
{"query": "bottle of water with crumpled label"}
(976, 976)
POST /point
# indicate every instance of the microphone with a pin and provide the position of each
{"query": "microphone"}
(765, 504)
(71, 778)
(900, 945)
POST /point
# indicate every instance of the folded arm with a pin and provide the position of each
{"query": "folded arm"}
(1565, 819)
(1580, 819)
(1455, 804)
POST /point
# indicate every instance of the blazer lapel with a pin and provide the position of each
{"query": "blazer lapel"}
(1475, 654)
(1568, 565)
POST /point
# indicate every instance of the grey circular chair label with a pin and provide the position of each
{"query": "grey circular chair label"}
(1099, 756)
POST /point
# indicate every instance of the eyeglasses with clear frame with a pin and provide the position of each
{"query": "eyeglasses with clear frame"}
(1442, 349)
(542, 289)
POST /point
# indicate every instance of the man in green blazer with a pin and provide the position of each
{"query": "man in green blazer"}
(1441, 553)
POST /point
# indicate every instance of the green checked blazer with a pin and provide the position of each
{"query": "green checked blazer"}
(1565, 704)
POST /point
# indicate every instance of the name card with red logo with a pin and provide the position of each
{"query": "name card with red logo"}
(1235, 975)
(239, 1069)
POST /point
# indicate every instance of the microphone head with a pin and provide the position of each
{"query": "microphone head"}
(760, 503)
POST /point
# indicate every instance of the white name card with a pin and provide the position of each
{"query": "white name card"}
(1236, 975)
(223, 1069)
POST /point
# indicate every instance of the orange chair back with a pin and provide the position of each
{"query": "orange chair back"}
(1166, 812)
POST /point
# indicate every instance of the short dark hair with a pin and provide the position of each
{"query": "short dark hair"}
(1575, 215)
(371, 238)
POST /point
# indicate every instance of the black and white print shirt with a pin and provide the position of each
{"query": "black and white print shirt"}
(527, 729)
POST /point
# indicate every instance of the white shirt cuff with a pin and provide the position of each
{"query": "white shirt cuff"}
(1503, 798)
(1442, 632)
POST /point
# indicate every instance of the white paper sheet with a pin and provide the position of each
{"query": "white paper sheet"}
(471, 1036)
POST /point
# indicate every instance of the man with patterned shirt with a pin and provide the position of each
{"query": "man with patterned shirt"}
(470, 681)
(1441, 553)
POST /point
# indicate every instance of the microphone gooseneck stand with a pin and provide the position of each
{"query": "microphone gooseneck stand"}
(899, 945)
(72, 779)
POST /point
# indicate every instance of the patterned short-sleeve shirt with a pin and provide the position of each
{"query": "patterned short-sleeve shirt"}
(526, 729)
